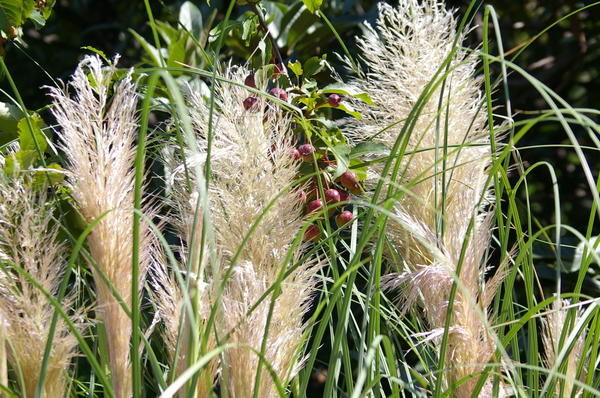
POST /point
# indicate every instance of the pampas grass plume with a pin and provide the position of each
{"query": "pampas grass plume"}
(97, 132)
(403, 54)
(29, 243)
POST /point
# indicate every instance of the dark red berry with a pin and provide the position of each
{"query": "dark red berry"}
(249, 81)
(306, 149)
(344, 195)
(334, 100)
(279, 93)
(332, 196)
(295, 154)
(251, 104)
(343, 218)
(348, 179)
(312, 233)
(314, 205)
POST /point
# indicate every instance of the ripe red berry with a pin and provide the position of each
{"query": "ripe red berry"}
(348, 179)
(344, 195)
(249, 81)
(312, 233)
(332, 196)
(334, 100)
(343, 218)
(251, 104)
(306, 149)
(294, 153)
(314, 205)
(279, 93)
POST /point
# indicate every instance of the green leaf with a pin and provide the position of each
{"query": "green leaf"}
(345, 89)
(342, 155)
(314, 65)
(22, 159)
(42, 176)
(9, 117)
(312, 5)
(176, 53)
(154, 54)
(296, 67)
(369, 148)
(361, 172)
(191, 18)
(99, 52)
(28, 138)
(349, 109)
(11, 12)
(37, 18)
(47, 9)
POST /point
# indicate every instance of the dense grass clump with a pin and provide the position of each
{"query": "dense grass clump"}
(216, 228)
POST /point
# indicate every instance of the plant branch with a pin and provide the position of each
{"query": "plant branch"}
(274, 45)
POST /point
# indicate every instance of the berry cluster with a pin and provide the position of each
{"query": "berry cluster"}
(252, 103)
(336, 193)
(332, 196)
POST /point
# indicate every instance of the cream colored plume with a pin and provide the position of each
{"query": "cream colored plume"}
(251, 166)
(553, 325)
(442, 178)
(97, 129)
(29, 244)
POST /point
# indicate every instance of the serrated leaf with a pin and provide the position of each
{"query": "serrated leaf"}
(369, 148)
(32, 140)
(313, 5)
(348, 90)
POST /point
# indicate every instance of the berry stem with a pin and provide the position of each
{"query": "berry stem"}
(274, 45)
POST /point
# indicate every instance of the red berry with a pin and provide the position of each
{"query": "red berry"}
(249, 81)
(334, 100)
(348, 179)
(343, 218)
(306, 149)
(251, 104)
(314, 205)
(294, 153)
(344, 195)
(279, 93)
(332, 196)
(312, 233)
